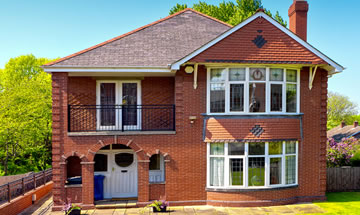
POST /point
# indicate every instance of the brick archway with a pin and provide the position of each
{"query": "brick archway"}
(141, 154)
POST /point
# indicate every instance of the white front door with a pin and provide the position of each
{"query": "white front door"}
(124, 174)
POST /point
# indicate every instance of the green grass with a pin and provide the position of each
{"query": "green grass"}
(341, 203)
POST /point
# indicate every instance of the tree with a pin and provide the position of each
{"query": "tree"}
(25, 116)
(230, 12)
(339, 109)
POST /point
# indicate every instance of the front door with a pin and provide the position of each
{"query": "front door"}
(124, 174)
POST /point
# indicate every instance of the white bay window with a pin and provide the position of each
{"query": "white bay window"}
(253, 90)
(252, 164)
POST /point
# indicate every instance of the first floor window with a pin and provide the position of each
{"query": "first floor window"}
(252, 164)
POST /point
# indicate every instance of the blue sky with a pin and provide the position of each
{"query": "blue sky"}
(58, 28)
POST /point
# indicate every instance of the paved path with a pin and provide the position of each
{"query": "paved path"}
(43, 207)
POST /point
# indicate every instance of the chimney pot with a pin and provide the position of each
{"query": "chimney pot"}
(298, 18)
(356, 124)
(343, 124)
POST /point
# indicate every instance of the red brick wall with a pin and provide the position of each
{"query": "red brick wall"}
(239, 46)
(186, 169)
(74, 193)
(156, 191)
(22, 202)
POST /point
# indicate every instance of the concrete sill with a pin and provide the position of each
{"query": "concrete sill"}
(120, 133)
(73, 185)
(249, 189)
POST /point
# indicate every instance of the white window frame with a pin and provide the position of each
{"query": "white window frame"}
(245, 158)
(158, 173)
(118, 101)
(246, 91)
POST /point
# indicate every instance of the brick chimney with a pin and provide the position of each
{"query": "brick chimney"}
(298, 18)
(356, 124)
(343, 124)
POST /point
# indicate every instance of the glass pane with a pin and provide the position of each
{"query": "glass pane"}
(100, 163)
(236, 172)
(256, 172)
(290, 147)
(275, 148)
(217, 75)
(129, 101)
(154, 162)
(124, 159)
(291, 98)
(257, 74)
(237, 74)
(107, 102)
(291, 75)
(276, 74)
(275, 170)
(257, 97)
(236, 148)
(276, 97)
(217, 98)
(216, 148)
(216, 171)
(290, 167)
(236, 97)
(256, 148)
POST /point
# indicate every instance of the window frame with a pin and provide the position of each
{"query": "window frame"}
(246, 90)
(245, 158)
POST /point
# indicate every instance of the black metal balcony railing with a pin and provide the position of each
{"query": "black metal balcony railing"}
(86, 118)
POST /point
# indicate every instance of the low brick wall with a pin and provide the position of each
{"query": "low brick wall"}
(74, 193)
(156, 191)
(20, 203)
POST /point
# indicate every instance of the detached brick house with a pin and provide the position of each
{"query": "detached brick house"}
(191, 108)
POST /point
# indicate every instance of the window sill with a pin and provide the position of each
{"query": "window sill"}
(120, 133)
(72, 185)
(252, 115)
(160, 182)
(234, 190)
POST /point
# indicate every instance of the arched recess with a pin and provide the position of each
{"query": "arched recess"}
(142, 167)
(157, 173)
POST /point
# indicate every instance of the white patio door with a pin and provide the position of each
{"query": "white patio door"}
(124, 174)
(118, 105)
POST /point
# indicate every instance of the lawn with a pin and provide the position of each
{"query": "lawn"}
(341, 203)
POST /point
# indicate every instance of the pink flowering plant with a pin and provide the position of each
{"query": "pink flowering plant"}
(340, 153)
(68, 207)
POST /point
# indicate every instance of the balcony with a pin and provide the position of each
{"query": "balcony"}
(121, 118)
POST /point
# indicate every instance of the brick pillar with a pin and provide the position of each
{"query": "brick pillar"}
(143, 182)
(323, 130)
(87, 171)
(59, 132)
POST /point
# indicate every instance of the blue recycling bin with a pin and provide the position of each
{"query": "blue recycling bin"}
(74, 180)
(99, 187)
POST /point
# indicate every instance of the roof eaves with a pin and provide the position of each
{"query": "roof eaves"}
(131, 32)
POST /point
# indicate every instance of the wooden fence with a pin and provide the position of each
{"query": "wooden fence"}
(342, 179)
(21, 186)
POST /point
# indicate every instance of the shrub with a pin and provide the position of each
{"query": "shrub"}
(340, 154)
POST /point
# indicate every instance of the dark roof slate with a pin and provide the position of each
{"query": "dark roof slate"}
(347, 131)
(155, 45)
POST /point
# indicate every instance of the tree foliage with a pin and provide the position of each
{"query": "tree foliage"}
(230, 12)
(339, 109)
(25, 116)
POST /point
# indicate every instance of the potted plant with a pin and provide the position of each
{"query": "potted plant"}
(71, 209)
(159, 205)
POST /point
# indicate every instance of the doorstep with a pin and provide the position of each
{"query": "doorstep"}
(114, 204)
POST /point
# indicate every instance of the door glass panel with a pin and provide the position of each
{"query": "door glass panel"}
(256, 171)
(129, 101)
(154, 162)
(276, 97)
(100, 163)
(124, 159)
(107, 102)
